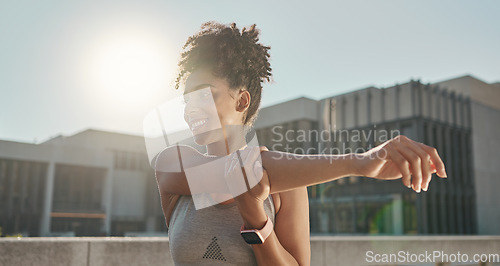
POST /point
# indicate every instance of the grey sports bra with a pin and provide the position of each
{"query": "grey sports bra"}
(210, 236)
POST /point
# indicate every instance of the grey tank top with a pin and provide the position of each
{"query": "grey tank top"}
(210, 236)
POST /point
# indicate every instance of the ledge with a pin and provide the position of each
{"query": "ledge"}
(325, 250)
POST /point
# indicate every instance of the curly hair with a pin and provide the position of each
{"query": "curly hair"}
(232, 55)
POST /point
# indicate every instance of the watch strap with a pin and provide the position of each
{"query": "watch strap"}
(264, 231)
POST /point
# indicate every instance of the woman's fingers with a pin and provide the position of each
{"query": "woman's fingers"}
(403, 165)
(425, 160)
(252, 165)
(415, 165)
(436, 159)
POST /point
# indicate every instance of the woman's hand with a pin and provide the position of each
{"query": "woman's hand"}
(249, 184)
(246, 178)
(401, 157)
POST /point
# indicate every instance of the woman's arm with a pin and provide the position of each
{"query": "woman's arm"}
(399, 157)
(175, 162)
(396, 158)
(289, 243)
(287, 171)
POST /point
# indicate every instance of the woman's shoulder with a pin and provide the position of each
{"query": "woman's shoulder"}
(177, 157)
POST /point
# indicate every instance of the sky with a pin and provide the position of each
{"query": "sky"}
(66, 66)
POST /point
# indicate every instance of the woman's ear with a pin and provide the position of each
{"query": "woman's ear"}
(243, 100)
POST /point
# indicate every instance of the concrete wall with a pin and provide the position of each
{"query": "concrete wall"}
(485, 123)
(486, 147)
(57, 154)
(129, 189)
(478, 90)
(325, 250)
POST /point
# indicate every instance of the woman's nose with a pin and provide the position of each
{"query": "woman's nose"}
(191, 106)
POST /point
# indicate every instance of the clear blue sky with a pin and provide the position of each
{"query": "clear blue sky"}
(70, 65)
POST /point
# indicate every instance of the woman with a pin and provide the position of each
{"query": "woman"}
(267, 223)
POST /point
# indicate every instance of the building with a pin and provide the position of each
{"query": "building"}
(93, 183)
(97, 183)
(460, 117)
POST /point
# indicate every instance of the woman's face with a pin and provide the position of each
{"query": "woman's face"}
(211, 106)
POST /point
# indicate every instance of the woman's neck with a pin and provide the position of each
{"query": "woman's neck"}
(234, 139)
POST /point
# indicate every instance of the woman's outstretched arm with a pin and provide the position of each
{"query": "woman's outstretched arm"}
(399, 157)
(286, 171)
(289, 171)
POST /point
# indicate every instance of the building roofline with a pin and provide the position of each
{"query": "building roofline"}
(349, 92)
(290, 100)
(467, 75)
(102, 131)
(105, 132)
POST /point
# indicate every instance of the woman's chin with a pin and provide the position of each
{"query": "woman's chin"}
(208, 137)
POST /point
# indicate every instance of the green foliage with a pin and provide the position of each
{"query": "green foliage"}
(14, 235)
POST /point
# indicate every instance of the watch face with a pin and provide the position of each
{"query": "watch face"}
(251, 238)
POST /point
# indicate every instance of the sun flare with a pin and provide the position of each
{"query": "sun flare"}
(129, 70)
